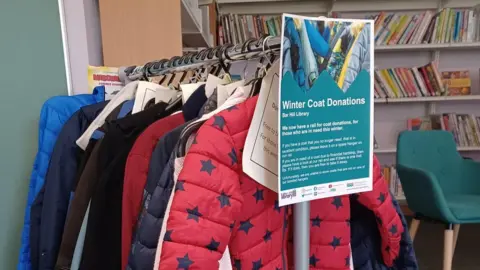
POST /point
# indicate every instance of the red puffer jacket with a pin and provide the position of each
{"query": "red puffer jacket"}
(216, 205)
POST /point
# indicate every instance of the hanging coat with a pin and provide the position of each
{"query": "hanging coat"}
(50, 207)
(155, 197)
(136, 172)
(218, 205)
(55, 112)
(102, 248)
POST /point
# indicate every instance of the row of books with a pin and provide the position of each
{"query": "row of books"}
(464, 127)
(447, 26)
(422, 81)
(390, 175)
(235, 29)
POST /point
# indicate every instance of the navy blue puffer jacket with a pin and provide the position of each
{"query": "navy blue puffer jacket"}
(55, 112)
(366, 245)
(49, 210)
(155, 199)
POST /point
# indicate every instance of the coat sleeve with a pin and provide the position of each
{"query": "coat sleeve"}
(359, 59)
(59, 183)
(206, 203)
(379, 200)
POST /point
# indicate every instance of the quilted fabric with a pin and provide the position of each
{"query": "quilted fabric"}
(136, 176)
(155, 198)
(55, 112)
(49, 209)
(359, 58)
(216, 204)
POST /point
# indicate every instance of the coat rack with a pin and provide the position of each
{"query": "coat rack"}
(225, 55)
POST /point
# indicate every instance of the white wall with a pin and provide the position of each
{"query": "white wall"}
(83, 40)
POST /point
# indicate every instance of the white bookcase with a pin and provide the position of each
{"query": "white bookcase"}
(391, 114)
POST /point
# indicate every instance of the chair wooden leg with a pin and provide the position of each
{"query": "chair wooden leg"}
(414, 228)
(448, 248)
(456, 229)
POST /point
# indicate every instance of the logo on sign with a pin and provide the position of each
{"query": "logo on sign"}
(330, 186)
(289, 195)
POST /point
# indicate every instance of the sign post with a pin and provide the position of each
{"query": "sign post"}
(325, 132)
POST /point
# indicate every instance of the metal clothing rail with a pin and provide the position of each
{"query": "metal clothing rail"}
(222, 55)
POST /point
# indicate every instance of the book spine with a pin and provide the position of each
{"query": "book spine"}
(417, 28)
(433, 81)
(471, 27)
(419, 79)
(427, 81)
(409, 30)
(427, 38)
(383, 28)
(398, 84)
(394, 28)
(399, 30)
(382, 39)
(423, 27)
(383, 75)
(465, 26)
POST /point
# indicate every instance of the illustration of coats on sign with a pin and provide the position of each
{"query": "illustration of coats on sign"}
(55, 112)
(218, 205)
(49, 209)
(357, 59)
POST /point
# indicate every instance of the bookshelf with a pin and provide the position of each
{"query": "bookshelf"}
(394, 150)
(428, 47)
(427, 99)
(391, 114)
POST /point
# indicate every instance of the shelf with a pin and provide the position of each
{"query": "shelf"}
(427, 99)
(193, 34)
(319, 7)
(427, 47)
(394, 150)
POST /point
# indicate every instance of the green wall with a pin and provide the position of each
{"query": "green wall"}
(31, 70)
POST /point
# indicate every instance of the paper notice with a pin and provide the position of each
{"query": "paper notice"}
(260, 154)
(104, 76)
(147, 91)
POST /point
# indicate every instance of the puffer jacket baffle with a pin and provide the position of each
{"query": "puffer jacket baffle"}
(216, 205)
(55, 112)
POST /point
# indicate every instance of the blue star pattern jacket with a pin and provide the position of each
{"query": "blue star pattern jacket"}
(55, 112)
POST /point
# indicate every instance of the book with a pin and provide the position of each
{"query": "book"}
(419, 123)
(464, 127)
(393, 182)
(457, 83)
(447, 26)
(410, 82)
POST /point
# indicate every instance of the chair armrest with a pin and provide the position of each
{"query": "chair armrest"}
(470, 176)
(423, 192)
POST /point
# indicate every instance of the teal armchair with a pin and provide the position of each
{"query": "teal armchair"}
(438, 183)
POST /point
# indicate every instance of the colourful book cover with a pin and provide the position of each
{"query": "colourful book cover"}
(458, 83)
(419, 123)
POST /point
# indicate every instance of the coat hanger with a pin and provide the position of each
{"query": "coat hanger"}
(222, 56)
(174, 63)
(257, 84)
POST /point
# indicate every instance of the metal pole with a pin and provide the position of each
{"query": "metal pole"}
(301, 235)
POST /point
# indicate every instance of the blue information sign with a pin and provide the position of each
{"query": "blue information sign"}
(325, 108)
